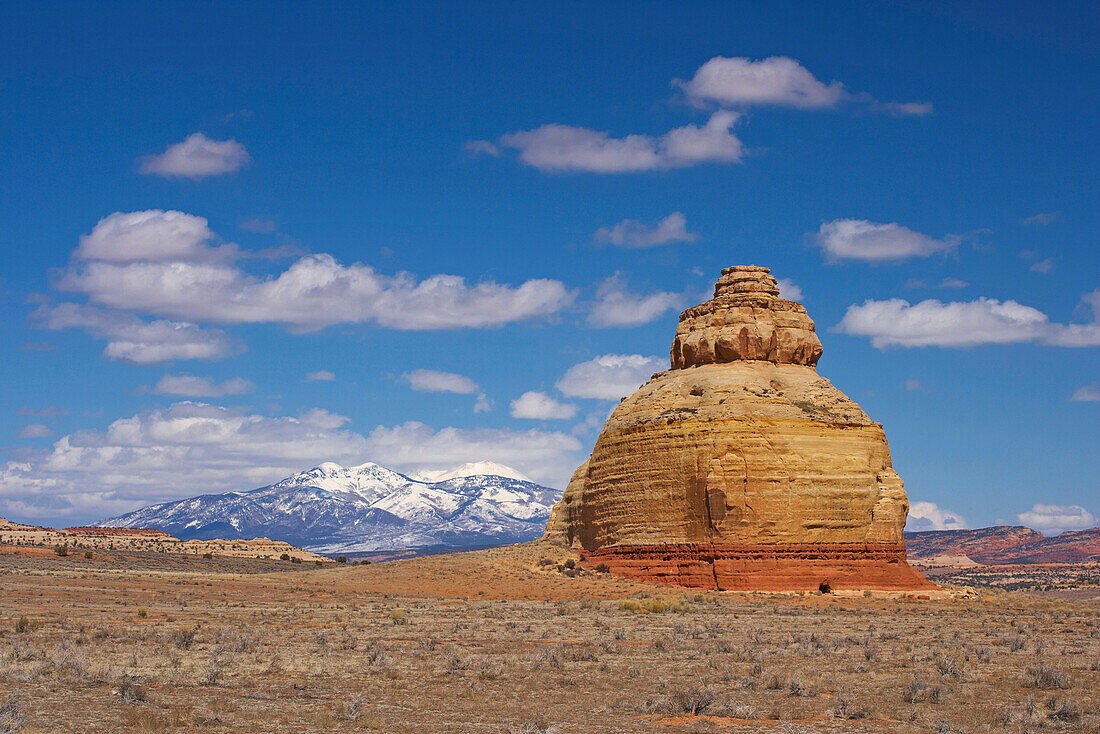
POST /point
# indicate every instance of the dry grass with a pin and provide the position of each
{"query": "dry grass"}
(497, 642)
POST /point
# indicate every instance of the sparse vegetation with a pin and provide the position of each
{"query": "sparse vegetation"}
(343, 649)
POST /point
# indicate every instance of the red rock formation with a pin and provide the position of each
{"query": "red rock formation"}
(741, 467)
(1006, 545)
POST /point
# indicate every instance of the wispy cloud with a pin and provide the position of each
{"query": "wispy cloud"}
(562, 148)
(777, 80)
(1042, 219)
(1087, 393)
(436, 381)
(320, 376)
(633, 234)
(858, 239)
(130, 339)
(197, 157)
(35, 430)
(190, 386)
(616, 305)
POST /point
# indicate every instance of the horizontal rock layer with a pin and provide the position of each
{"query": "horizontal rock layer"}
(788, 567)
(746, 320)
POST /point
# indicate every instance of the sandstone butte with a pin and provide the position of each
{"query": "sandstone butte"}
(741, 468)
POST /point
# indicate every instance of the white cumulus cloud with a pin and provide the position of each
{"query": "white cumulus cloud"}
(858, 239)
(777, 80)
(190, 448)
(197, 157)
(130, 339)
(435, 381)
(560, 148)
(153, 235)
(1051, 519)
(35, 430)
(609, 376)
(929, 516)
(896, 322)
(617, 305)
(631, 233)
(1087, 393)
(540, 406)
(190, 386)
(789, 289)
(188, 280)
(320, 376)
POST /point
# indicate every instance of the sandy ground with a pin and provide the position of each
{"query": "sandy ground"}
(507, 641)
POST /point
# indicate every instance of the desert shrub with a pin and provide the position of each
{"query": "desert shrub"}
(1047, 677)
(949, 665)
(341, 559)
(1062, 710)
(428, 643)
(776, 682)
(88, 554)
(212, 672)
(690, 699)
(538, 725)
(693, 699)
(399, 616)
(797, 686)
(654, 606)
(375, 654)
(295, 559)
(489, 669)
(354, 708)
(11, 714)
(846, 708)
(183, 638)
(917, 690)
(128, 690)
(61, 550)
(22, 625)
(207, 555)
(284, 557)
(142, 612)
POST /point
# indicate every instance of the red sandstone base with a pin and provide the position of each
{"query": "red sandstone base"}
(790, 567)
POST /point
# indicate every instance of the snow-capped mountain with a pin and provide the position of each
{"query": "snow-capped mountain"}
(336, 509)
(471, 469)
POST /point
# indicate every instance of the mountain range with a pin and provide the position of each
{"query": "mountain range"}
(335, 509)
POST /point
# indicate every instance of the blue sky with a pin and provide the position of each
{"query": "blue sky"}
(438, 212)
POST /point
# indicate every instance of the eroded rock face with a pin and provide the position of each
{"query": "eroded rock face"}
(741, 467)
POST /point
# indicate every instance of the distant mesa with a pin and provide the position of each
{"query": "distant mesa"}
(741, 467)
(1004, 545)
(114, 540)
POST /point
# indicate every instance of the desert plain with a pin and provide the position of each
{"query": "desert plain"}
(518, 639)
